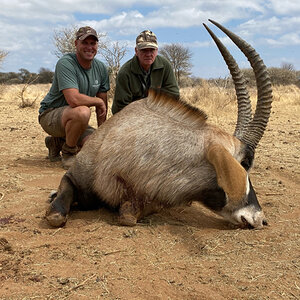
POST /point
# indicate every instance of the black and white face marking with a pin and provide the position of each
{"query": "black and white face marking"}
(247, 214)
(250, 215)
(248, 158)
(214, 199)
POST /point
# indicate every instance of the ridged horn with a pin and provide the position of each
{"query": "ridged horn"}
(257, 126)
(243, 99)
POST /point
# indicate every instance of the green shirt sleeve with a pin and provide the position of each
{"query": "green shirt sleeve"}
(169, 83)
(66, 75)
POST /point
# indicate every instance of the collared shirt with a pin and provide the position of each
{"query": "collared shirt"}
(132, 84)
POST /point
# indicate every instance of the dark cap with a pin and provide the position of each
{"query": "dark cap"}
(146, 39)
(84, 32)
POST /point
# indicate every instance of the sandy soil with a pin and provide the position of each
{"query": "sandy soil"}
(182, 253)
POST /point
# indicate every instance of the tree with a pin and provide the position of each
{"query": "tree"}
(3, 54)
(25, 75)
(64, 41)
(285, 75)
(113, 54)
(287, 66)
(180, 59)
(45, 75)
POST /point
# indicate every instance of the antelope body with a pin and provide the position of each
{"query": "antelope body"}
(160, 152)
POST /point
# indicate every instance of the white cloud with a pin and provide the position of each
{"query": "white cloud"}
(271, 26)
(290, 39)
(287, 7)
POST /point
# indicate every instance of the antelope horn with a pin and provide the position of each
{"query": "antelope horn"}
(243, 99)
(259, 122)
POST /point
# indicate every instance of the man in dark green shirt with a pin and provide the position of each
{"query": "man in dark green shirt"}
(80, 82)
(145, 70)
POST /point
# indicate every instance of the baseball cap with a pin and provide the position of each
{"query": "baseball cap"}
(84, 32)
(146, 39)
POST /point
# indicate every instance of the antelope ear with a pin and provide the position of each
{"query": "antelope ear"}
(231, 176)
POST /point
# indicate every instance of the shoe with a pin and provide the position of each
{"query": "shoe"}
(68, 155)
(54, 145)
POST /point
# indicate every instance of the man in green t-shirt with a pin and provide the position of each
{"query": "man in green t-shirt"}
(80, 82)
(145, 70)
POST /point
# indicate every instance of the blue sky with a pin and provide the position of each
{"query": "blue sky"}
(272, 27)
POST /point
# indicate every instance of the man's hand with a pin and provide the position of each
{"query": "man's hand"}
(101, 112)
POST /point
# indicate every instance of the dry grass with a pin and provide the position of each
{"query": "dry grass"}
(220, 103)
(289, 94)
(24, 95)
(210, 98)
(3, 89)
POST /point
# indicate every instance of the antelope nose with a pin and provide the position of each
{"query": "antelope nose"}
(255, 224)
(250, 217)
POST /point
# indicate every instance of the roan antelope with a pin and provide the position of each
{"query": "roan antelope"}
(161, 152)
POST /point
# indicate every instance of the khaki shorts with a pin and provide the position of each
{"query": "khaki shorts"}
(50, 120)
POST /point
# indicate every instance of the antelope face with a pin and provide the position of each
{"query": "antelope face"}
(246, 213)
(238, 205)
(234, 198)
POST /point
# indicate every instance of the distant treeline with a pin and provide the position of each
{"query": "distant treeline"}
(279, 76)
(24, 76)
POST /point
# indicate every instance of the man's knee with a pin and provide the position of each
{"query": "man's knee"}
(80, 114)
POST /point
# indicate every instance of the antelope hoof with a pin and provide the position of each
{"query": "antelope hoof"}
(128, 216)
(55, 219)
(127, 220)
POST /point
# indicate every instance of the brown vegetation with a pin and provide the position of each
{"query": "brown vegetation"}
(183, 253)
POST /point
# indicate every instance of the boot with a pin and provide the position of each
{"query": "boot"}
(68, 155)
(54, 145)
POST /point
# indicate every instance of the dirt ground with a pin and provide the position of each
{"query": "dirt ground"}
(182, 253)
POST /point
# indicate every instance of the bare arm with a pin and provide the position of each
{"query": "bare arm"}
(100, 113)
(74, 99)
